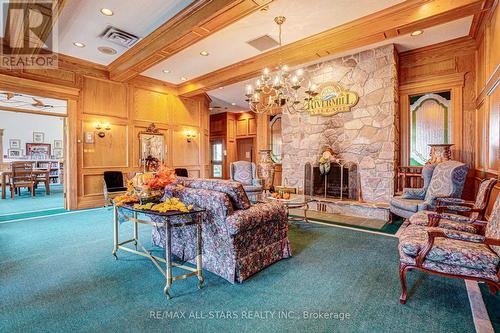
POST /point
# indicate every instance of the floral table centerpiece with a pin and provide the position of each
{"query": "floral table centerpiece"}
(150, 187)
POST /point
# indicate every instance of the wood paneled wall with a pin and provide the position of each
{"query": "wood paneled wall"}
(487, 161)
(445, 66)
(129, 108)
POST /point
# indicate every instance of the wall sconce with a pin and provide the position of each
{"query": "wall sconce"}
(190, 135)
(98, 126)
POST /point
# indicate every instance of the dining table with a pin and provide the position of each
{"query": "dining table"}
(41, 172)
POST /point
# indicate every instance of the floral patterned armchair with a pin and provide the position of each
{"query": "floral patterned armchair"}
(453, 253)
(239, 239)
(245, 173)
(453, 211)
(443, 180)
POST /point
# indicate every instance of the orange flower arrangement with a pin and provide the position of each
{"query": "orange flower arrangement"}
(162, 178)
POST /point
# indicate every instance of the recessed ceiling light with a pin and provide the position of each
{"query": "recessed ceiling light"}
(106, 50)
(166, 71)
(210, 109)
(220, 88)
(233, 104)
(416, 33)
(78, 44)
(183, 78)
(204, 53)
(107, 12)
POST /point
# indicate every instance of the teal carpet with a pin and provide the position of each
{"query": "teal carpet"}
(492, 303)
(60, 276)
(25, 203)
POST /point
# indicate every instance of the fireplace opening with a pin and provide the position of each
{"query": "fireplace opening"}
(340, 183)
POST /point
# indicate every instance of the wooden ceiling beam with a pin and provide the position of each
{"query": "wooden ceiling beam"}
(197, 21)
(388, 23)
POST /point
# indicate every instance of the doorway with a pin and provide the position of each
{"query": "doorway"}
(32, 158)
(217, 158)
(245, 149)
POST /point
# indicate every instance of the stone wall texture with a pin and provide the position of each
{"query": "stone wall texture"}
(367, 135)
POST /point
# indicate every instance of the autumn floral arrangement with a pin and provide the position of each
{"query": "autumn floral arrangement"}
(145, 191)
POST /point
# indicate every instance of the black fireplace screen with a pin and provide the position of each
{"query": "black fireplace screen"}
(340, 183)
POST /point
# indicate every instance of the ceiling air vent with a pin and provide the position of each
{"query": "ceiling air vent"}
(263, 43)
(119, 37)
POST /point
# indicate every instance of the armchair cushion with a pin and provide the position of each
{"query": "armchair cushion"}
(252, 188)
(410, 205)
(242, 172)
(447, 180)
(413, 193)
(448, 221)
(448, 269)
(493, 226)
(255, 216)
(453, 252)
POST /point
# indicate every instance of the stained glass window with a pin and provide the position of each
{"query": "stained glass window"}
(430, 117)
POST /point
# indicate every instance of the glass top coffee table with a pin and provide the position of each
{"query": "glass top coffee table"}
(296, 201)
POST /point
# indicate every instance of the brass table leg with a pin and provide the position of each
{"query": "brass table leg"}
(168, 263)
(136, 231)
(115, 231)
(199, 256)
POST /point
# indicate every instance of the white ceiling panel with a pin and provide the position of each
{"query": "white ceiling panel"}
(228, 46)
(82, 21)
(235, 93)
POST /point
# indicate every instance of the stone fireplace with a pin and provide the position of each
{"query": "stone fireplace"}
(340, 183)
(367, 136)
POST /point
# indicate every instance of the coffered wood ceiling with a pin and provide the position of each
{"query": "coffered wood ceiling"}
(228, 46)
(454, 30)
(195, 22)
(388, 23)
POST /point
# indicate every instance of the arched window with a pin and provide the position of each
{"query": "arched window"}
(430, 117)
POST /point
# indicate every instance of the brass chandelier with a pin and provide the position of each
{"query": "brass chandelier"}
(280, 91)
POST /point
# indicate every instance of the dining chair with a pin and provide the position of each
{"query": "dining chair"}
(22, 176)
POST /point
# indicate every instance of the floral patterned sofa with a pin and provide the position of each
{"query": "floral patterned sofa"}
(239, 239)
(468, 249)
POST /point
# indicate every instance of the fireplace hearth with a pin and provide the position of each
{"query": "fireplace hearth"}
(340, 183)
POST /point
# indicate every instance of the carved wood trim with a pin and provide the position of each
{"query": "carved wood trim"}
(196, 22)
(361, 32)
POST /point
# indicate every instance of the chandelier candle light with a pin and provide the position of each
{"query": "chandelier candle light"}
(282, 91)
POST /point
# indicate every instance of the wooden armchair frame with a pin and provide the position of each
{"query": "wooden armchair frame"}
(471, 205)
(419, 260)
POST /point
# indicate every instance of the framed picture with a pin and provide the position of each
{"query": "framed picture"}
(38, 151)
(38, 137)
(152, 147)
(58, 144)
(58, 153)
(15, 143)
(15, 153)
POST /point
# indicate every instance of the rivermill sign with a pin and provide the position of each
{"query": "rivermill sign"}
(331, 99)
